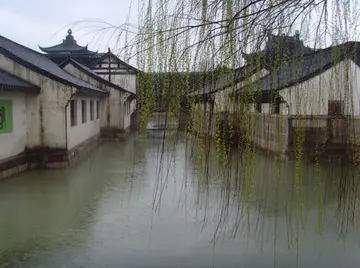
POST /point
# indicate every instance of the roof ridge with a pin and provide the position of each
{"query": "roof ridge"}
(43, 66)
(28, 48)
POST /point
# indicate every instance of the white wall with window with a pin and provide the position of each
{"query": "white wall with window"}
(335, 91)
(13, 124)
(83, 122)
(112, 106)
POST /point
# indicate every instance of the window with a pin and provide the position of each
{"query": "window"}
(276, 108)
(335, 107)
(83, 111)
(91, 110)
(6, 118)
(97, 109)
(73, 112)
(258, 107)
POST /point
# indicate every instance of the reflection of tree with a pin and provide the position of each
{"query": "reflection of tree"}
(261, 198)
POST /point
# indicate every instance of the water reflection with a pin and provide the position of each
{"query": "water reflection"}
(156, 203)
(251, 188)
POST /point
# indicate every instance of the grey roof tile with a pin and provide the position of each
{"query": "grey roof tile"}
(41, 64)
(8, 81)
(226, 80)
(297, 71)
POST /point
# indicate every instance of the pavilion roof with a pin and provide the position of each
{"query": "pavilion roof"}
(68, 45)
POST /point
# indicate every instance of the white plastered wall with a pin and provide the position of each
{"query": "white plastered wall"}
(112, 106)
(46, 111)
(14, 142)
(81, 132)
(127, 81)
(311, 97)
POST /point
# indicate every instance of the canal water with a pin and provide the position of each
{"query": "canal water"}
(156, 204)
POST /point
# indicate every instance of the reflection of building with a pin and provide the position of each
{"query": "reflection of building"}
(53, 106)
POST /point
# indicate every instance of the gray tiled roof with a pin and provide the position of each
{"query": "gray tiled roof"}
(68, 45)
(8, 81)
(297, 71)
(41, 64)
(226, 80)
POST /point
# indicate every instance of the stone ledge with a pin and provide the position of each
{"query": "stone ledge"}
(46, 158)
(13, 166)
(75, 154)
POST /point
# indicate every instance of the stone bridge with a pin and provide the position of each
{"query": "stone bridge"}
(158, 115)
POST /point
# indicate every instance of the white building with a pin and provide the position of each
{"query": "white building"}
(107, 65)
(292, 80)
(117, 106)
(324, 82)
(48, 117)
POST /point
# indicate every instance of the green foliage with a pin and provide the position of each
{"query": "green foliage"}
(186, 49)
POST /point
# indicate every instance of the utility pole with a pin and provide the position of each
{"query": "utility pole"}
(109, 55)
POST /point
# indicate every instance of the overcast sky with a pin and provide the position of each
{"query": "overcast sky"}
(37, 22)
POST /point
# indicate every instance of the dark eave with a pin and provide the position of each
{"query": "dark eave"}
(227, 80)
(67, 49)
(9, 82)
(93, 74)
(85, 59)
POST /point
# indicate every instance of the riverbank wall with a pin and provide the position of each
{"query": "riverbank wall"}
(55, 158)
(47, 158)
(305, 138)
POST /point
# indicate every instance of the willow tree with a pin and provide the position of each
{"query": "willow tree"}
(185, 45)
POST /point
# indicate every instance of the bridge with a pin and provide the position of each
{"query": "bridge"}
(158, 116)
